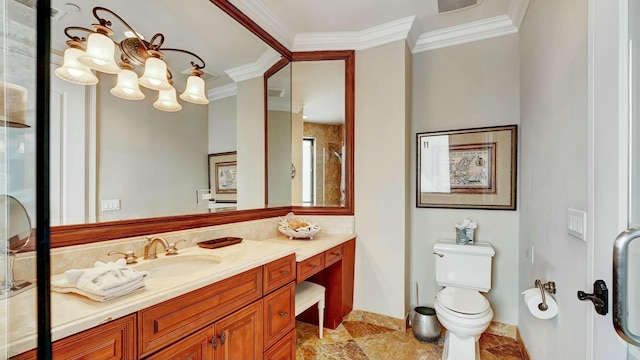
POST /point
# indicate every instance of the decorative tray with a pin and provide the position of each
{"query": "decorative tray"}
(296, 228)
(219, 242)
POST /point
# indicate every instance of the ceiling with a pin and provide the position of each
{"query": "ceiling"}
(232, 53)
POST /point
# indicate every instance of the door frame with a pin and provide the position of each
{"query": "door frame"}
(607, 180)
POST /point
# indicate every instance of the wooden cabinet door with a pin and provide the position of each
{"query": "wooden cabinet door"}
(239, 335)
(111, 341)
(279, 314)
(194, 347)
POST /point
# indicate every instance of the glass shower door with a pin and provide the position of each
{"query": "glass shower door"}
(17, 175)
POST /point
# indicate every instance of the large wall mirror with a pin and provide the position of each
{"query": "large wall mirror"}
(145, 171)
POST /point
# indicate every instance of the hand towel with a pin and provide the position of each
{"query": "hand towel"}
(103, 282)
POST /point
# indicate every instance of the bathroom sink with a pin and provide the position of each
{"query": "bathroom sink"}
(178, 265)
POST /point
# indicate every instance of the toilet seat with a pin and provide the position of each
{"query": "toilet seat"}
(463, 302)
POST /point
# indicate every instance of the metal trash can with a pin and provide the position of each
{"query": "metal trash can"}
(425, 324)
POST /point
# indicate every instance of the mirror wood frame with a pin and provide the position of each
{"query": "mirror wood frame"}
(68, 235)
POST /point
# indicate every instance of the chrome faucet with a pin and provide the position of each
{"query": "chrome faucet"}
(151, 247)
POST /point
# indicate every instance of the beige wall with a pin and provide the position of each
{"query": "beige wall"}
(279, 153)
(250, 130)
(465, 86)
(381, 165)
(554, 144)
(222, 125)
(152, 161)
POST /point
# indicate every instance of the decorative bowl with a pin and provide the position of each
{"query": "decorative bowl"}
(296, 228)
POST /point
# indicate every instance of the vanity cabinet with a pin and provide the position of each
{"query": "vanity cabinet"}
(113, 340)
(247, 316)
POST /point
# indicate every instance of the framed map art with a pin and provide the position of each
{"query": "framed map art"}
(468, 168)
(222, 177)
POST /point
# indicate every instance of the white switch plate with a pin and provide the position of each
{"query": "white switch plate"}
(110, 205)
(577, 223)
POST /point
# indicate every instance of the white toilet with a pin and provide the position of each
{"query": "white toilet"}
(464, 271)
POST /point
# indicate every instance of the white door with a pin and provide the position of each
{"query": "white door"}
(614, 189)
(72, 152)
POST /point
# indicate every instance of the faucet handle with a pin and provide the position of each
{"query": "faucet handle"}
(129, 256)
(173, 250)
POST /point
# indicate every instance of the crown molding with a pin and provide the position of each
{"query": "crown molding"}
(456, 35)
(517, 11)
(254, 69)
(355, 40)
(402, 29)
(222, 92)
(267, 20)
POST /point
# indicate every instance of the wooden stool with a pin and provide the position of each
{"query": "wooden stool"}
(307, 294)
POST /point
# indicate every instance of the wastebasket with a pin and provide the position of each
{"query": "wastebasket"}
(425, 324)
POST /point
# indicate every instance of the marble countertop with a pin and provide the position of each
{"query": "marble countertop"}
(72, 313)
(306, 248)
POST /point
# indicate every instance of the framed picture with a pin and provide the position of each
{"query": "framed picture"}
(468, 168)
(223, 170)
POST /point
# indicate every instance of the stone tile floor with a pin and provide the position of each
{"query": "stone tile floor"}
(365, 336)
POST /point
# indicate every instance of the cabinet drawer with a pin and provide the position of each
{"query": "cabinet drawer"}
(279, 314)
(309, 267)
(333, 255)
(165, 323)
(285, 349)
(113, 340)
(278, 273)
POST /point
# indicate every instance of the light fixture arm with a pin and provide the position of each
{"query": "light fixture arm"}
(195, 66)
(105, 22)
(76, 38)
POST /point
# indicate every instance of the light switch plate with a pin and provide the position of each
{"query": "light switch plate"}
(577, 223)
(110, 205)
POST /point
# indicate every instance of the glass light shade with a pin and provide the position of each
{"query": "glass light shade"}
(74, 72)
(127, 86)
(194, 93)
(167, 101)
(99, 54)
(155, 75)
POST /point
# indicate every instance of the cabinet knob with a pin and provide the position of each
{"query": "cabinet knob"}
(284, 272)
(284, 314)
(214, 343)
(223, 337)
(313, 266)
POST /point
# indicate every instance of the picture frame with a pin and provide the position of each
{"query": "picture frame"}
(223, 177)
(467, 168)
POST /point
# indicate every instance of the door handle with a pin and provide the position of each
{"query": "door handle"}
(620, 283)
(599, 298)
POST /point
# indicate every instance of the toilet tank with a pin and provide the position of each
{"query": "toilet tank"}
(464, 266)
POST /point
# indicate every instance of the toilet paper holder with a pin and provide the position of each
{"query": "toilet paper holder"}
(550, 287)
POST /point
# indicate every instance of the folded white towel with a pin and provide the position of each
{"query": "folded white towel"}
(102, 298)
(103, 282)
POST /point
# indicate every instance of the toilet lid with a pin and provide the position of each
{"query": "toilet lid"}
(462, 300)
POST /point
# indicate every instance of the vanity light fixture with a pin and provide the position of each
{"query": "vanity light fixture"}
(97, 53)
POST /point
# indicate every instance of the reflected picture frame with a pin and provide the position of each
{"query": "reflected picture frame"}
(222, 176)
(467, 168)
